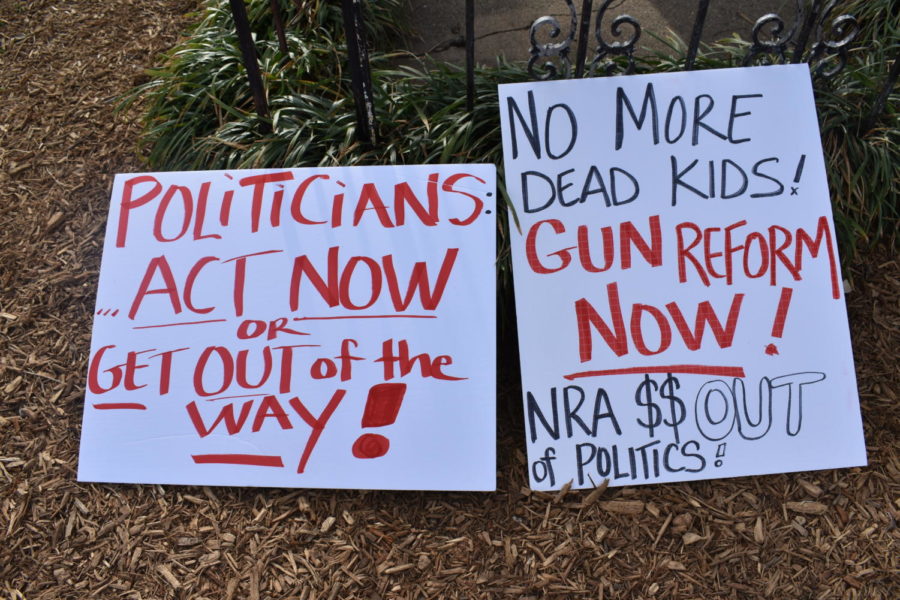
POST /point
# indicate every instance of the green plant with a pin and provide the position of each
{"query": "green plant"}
(861, 154)
(198, 105)
(199, 114)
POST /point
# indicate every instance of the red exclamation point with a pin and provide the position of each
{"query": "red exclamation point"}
(382, 407)
(784, 303)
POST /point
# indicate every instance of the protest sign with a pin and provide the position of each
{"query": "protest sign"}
(296, 327)
(679, 298)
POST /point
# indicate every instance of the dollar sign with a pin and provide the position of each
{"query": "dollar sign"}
(644, 397)
(677, 411)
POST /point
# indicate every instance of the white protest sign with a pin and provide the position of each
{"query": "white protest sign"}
(319, 327)
(679, 299)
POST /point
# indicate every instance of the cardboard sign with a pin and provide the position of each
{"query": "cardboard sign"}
(677, 282)
(296, 328)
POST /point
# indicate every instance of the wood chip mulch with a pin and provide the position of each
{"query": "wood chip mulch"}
(827, 534)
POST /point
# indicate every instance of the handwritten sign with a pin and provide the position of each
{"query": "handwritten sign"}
(677, 281)
(300, 327)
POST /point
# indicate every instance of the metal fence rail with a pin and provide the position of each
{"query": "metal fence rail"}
(814, 35)
(784, 41)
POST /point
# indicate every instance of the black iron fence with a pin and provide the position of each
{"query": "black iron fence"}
(785, 41)
(813, 34)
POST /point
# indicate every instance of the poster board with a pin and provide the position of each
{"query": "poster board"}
(678, 290)
(296, 328)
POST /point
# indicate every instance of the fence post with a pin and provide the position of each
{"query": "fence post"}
(360, 78)
(251, 63)
(699, 21)
(279, 26)
(812, 13)
(470, 55)
(881, 100)
(584, 30)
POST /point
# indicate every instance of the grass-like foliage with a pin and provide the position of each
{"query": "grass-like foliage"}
(198, 108)
(199, 114)
(863, 149)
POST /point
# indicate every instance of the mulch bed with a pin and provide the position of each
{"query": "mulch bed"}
(826, 534)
